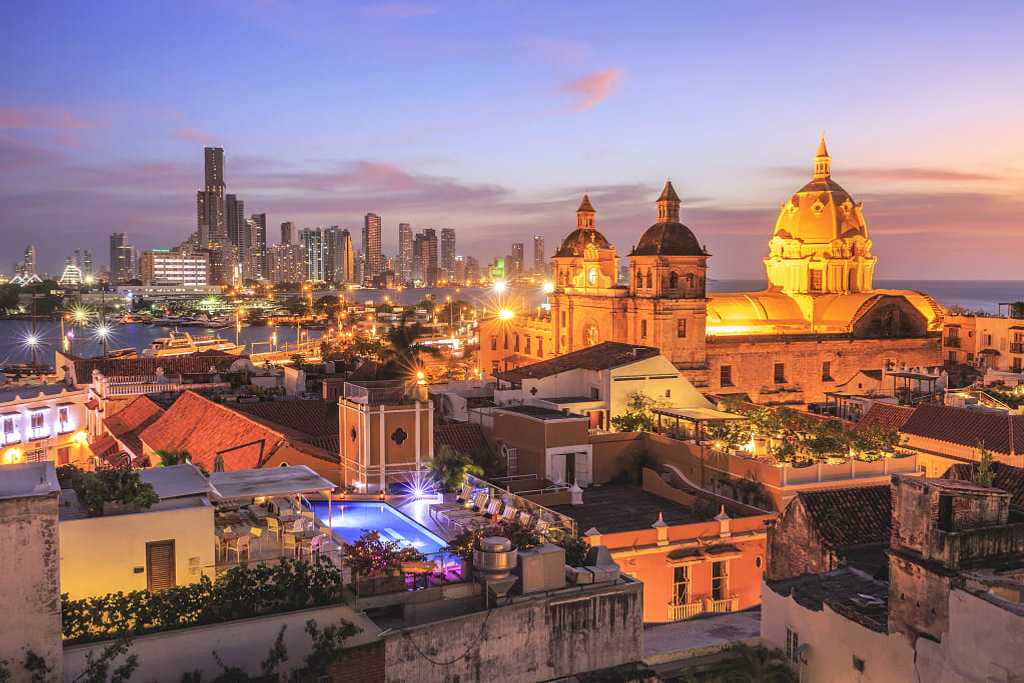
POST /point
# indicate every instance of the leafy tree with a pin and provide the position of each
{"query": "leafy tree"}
(872, 441)
(984, 476)
(402, 350)
(328, 645)
(829, 438)
(639, 415)
(522, 538)
(97, 668)
(107, 486)
(450, 467)
(371, 555)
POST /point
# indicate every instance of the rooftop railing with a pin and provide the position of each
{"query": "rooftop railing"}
(377, 392)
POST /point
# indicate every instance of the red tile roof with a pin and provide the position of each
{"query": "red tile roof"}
(127, 424)
(1006, 478)
(310, 422)
(886, 415)
(601, 356)
(465, 437)
(849, 517)
(206, 429)
(997, 431)
(187, 364)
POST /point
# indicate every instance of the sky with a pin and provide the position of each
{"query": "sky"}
(494, 117)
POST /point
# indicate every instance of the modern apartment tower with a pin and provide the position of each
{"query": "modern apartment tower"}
(234, 212)
(425, 261)
(287, 233)
(122, 259)
(404, 253)
(515, 268)
(447, 256)
(210, 208)
(312, 239)
(371, 246)
(540, 265)
(258, 245)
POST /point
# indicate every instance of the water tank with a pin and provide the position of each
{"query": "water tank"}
(495, 558)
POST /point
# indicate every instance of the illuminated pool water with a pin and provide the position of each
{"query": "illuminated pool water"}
(351, 520)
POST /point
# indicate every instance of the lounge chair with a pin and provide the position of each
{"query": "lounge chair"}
(460, 501)
(509, 515)
(541, 526)
(485, 518)
(525, 518)
(455, 516)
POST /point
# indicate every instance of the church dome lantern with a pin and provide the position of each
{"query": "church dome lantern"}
(668, 237)
(585, 234)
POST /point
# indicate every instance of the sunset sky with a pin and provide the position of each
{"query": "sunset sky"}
(493, 117)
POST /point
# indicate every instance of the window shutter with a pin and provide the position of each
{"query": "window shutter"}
(160, 565)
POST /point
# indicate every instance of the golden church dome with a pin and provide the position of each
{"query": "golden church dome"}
(821, 211)
(585, 233)
(668, 237)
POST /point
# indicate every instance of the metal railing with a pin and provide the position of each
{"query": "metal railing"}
(1016, 347)
(683, 611)
(952, 342)
(375, 393)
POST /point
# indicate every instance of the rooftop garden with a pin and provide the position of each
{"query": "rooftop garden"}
(787, 436)
(1011, 396)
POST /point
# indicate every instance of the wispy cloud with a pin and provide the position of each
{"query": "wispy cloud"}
(42, 118)
(400, 10)
(194, 135)
(914, 174)
(592, 89)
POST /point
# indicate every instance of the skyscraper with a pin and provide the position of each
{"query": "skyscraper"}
(258, 247)
(404, 253)
(210, 208)
(27, 267)
(317, 243)
(87, 263)
(540, 264)
(347, 258)
(515, 268)
(122, 258)
(287, 232)
(447, 256)
(425, 266)
(234, 211)
(371, 246)
(286, 263)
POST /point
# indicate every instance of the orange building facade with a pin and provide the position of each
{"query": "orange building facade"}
(818, 323)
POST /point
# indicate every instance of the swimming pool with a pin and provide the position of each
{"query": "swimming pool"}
(351, 520)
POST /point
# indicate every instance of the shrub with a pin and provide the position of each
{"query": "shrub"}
(107, 486)
(370, 555)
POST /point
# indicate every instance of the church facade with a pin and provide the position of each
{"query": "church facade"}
(819, 321)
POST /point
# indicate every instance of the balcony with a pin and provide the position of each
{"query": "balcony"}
(687, 610)
(712, 606)
(951, 342)
(1016, 347)
(377, 392)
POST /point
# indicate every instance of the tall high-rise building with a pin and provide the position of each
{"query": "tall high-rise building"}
(210, 208)
(287, 232)
(447, 255)
(312, 239)
(286, 263)
(472, 269)
(404, 271)
(27, 268)
(540, 264)
(371, 246)
(234, 212)
(340, 255)
(258, 246)
(122, 259)
(425, 261)
(88, 269)
(515, 267)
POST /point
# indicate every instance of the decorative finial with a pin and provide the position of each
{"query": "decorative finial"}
(822, 161)
(660, 523)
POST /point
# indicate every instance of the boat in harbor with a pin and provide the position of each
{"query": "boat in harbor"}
(181, 343)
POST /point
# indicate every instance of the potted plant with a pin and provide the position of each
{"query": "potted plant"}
(376, 564)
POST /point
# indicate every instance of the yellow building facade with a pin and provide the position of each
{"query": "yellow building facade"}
(819, 321)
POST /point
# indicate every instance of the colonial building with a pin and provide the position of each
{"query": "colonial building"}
(819, 321)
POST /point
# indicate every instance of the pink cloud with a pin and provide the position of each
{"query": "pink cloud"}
(591, 90)
(34, 118)
(194, 135)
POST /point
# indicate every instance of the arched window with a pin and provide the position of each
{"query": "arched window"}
(639, 280)
(673, 280)
(691, 280)
(650, 282)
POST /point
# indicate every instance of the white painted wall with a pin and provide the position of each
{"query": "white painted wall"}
(98, 555)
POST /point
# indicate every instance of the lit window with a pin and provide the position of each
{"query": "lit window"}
(826, 371)
(681, 328)
(780, 373)
(725, 376)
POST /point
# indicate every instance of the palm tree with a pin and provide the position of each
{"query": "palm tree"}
(169, 458)
(402, 349)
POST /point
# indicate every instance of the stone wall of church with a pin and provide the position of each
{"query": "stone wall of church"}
(752, 362)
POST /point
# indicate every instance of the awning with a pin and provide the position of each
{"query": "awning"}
(684, 556)
(271, 481)
(989, 352)
(698, 414)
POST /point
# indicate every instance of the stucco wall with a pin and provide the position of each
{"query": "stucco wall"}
(244, 643)
(30, 598)
(794, 547)
(99, 555)
(834, 641)
(566, 633)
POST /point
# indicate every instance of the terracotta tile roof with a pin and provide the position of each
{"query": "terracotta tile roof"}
(848, 517)
(999, 432)
(601, 356)
(465, 437)
(1006, 478)
(886, 415)
(187, 364)
(103, 446)
(306, 423)
(207, 429)
(127, 424)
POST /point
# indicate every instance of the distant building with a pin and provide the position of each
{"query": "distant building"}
(286, 263)
(540, 264)
(460, 270)
(164, 267)
(992, 344)
(425, 257)
(287, 232)
(472, 269)
(515, 265)
(258, 244)
(27, 267)
(210, 201)
(372, 246)
(234, 211)
(312, 240)
(122, 259)
(447, 256)
(71, 276)
(43, 422)
(404, 269)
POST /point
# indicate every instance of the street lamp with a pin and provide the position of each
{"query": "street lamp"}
(102, 332)
(548, 287)
(500, 286)
(506, 314)
(32, 341)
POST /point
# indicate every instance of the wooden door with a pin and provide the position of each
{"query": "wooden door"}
(160, 565)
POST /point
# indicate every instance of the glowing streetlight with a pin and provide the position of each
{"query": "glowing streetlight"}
(500, 286)
(548, 287)
(506, 314)
(102, 332)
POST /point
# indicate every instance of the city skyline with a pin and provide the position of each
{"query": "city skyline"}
(929, 147)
